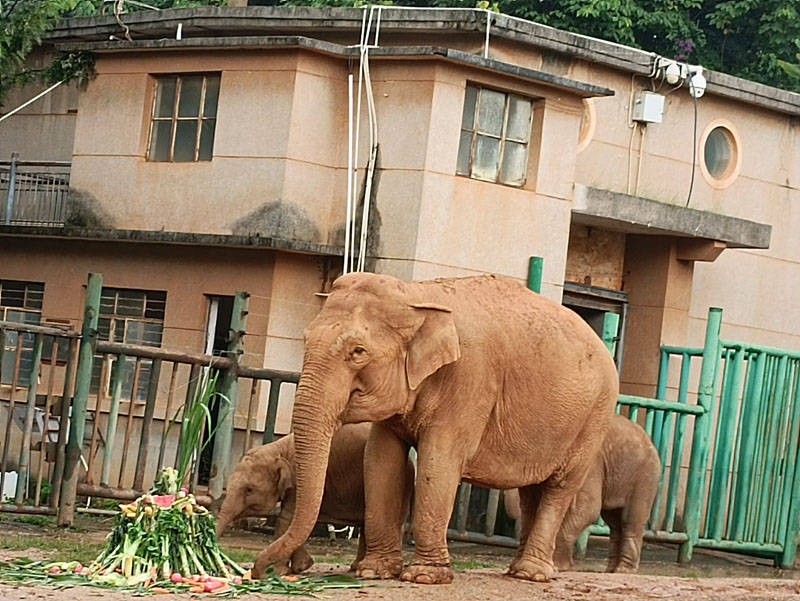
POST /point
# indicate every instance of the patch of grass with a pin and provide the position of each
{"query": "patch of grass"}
(33, 520)
(241, 556)
(57, 549)
(333, 559)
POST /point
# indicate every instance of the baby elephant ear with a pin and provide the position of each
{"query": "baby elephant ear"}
(434, 344)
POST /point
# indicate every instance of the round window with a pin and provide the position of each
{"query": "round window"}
(720, 155)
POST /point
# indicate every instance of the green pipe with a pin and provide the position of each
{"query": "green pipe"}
(781, 408)
(661, 394)
(726, 438)
(663, 376)
(729, 545)
(758, 348)
(645, 403)
(63, 426)
(535, 265)
(790, 539)
(751, 520)
(702, 429)
(682, 350)
(24, 452)
(147, 425)
(791, 485)
(677, 443)
(113, 418)
(770, 439)
(83, 381)
(223, 438)
(736, 501)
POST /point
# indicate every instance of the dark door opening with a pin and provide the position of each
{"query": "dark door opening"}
(220, 310)
(592, 304)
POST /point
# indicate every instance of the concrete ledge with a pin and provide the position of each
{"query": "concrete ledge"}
(262, 20)
(584, 90)
(637, 215)
(172, 238)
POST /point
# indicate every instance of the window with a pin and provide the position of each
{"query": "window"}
(184, 117)
(132, 317)
(721, 156)
(20, 302)
(495, 131)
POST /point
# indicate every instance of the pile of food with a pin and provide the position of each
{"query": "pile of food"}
(165, 535)
(164, 541)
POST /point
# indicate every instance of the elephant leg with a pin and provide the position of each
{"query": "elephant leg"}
(362, 550)
(535, 562)
(438, 477)
(528, 504)
(613, 517)
(582, 513)
(384, 485)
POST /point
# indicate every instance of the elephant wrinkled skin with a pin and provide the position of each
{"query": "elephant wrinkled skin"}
(465, 370)
(621, 487)
(266, 475)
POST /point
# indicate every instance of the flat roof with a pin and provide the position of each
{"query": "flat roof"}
(244, 22)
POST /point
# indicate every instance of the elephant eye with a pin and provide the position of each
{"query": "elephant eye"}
(358, 352)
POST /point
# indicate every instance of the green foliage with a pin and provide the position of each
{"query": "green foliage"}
(24, 23)
(747, 38)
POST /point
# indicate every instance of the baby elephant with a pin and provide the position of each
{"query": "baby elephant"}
(266, 475)
(621, 487)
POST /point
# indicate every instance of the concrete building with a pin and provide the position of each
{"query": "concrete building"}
(210, 155)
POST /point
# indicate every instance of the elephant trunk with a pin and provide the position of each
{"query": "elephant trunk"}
(223, 521)
(314, 420)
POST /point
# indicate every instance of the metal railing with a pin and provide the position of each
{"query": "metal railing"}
(33, 192)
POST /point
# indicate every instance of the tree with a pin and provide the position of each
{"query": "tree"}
(747, 38)
(24, 23)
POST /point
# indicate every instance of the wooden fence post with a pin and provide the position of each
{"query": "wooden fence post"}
(223, 438)
(83, 381)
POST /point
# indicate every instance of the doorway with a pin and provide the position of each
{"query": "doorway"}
(592, 304)
(218, 325)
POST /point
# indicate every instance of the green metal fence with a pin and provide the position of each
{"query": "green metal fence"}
(732, 409)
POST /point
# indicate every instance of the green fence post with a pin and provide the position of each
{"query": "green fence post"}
(792, 490)
(223, 438)
(611, 331)
(535, 274)
(702, 429)
(83, 381)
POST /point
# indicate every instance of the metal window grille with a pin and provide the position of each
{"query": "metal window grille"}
(132, 317)
(183, 118)
(20, 302)
(495, 132)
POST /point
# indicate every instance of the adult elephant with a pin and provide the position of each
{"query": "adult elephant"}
(490, 381)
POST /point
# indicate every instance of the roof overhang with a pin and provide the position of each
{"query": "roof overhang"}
(637, 215)
(347, 22)
(581, 89)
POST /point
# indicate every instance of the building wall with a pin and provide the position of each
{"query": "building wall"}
(44, 130)
(267, 176)
(758, 289)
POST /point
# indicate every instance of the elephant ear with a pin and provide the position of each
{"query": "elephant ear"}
(434, 344)
(285, 478)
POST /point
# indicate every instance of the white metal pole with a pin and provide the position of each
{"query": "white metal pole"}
(31, 101)
(349, 173)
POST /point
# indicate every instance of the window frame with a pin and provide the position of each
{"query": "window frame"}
(27, 339)
(732, 172)
(475, 131)
(174, 118)
(101, 377)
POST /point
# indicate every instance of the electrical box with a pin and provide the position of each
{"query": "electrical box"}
(648, 107)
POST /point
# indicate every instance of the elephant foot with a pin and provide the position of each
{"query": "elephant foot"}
(301, 561)
(623, 568)
(428, 574)
(564, 565)
(260, 568)
(382, 568)
(532, 568)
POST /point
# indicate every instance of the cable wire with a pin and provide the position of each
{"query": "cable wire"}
(694, 142)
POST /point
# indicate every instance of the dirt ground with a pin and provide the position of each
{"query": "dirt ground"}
(480, 576)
